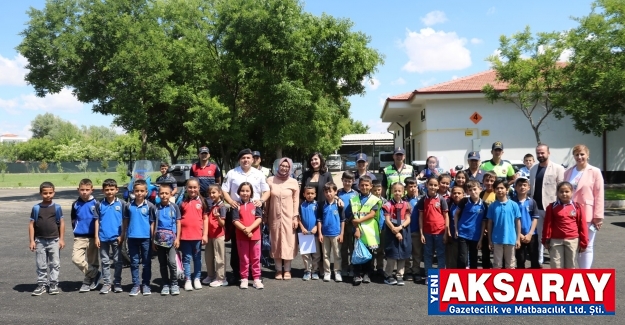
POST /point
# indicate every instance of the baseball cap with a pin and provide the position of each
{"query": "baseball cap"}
(204, 150)
(361, 157)
(255, 153)
(520, 178)
(474, 155)
(400, 151)
(497, 145)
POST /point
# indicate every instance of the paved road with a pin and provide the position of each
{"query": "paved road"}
(292, 301)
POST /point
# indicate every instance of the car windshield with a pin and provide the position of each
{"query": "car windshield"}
(142, 169)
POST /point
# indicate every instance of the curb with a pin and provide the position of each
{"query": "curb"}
(614, 204)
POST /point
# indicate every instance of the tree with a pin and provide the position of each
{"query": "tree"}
(51, 127)
(528, 67)
(357, 127)
(593, 94)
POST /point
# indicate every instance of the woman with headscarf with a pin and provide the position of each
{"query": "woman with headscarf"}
(282, 215)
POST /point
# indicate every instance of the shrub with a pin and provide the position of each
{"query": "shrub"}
(43, 166)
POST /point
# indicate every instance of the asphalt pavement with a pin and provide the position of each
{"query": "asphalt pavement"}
(294, 301)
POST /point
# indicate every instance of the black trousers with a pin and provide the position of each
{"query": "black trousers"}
(167, 262)
(467, 251)
(530, 249)
(486, 263)
(234, 253)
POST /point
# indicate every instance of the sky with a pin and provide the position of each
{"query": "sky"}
(423, 42)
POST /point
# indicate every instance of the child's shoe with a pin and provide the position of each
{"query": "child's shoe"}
(400, 281)
(306, 276)
(197, 284)
(366, 279)
(175, 290)
(315, 276)
(165, 290)
(390, 280)
(243, 284)
(54, 289)
(95, 281)
(117, 288)
(357, 280)
(146, 290)
(41, 288)
(258, 284)
(105, 289)
(338, 277)
(84, 288)
(207, 280)
(218, 283)
(326, 277)
(408, 277)
(134, 291)
(188, 286)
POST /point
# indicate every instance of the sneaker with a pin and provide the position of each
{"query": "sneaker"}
(175, 290)
(146, 290)
(326, 277)
(54, 289)
(357, 280)
(117, 288)
(218, 283)
(41, 288)
(165, 290)
(84, 288)
(338, 277)
(306, 276)
(315, 276)
(366, 279)
(258, 284)
(390, 280)
(188, 286)
(95, 281)
(243, 284)
(400, 281)
(207, 280)
(408, 277)
(134, 291)
(197, 284)
(105, 289)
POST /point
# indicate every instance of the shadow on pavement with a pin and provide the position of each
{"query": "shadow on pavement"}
(619, 224)
(34, 196)
(65, 286)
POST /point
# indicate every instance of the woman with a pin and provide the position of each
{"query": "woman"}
(316, 176)
(282, 215)
(588, 191)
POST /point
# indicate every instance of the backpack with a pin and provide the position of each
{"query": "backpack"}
(58, 212)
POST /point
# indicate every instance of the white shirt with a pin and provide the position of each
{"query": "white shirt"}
(235, 177)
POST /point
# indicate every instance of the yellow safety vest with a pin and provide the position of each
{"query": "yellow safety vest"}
(396, 176)
(370, 229)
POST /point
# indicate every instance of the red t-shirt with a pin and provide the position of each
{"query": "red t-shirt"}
(565, 221)
(214, 229)
(191, 224)
(247, 214)
(433, 209)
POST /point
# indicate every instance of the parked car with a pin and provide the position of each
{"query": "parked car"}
(334, 162)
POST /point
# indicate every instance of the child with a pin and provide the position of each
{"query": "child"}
(470, 222)
(193, 234)
(215, 250)
(432, 168)
(565, 229)
(488, 196)
(246, 220)
(331, 225)
(308, 225)
(398, 246)
(444, 181)
(136, 226)
(108, 234)
(451, 248)
(433, 223)
(365, 211)
(529, 220)
(528, 161)
(345, 194)
(461, 180)
(85, 251)
(377, 263)
(166, 239)
(168, 179)
(504, 227)
(414, 266)
(46, 233)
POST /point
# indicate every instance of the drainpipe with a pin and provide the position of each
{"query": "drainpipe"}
(403, 133)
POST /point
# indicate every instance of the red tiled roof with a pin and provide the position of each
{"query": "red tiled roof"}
(9, 135)
(404, 96)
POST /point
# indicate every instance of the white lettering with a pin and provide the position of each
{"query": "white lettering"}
(476, 286)
(577, 288)
(598, 286)
(527, 289)
(453, 289)
(501, 283)
(549, 288)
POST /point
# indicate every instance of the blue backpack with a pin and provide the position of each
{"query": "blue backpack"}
(58, 212)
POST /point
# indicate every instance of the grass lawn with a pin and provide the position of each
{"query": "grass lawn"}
(60, 179)
(615, 194)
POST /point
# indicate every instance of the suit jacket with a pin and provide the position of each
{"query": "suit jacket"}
(323, 179)
(554, 174)
(589, 192)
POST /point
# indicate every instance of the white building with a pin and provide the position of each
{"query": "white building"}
(453, 118)
(8, 137)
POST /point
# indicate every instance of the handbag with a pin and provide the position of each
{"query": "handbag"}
(265, 242)
(361, 254)
(164, 238)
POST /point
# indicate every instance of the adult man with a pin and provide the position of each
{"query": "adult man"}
(256, 164)
(474, 171)
(544, 178)
(396, 172)
(205, 171)
(361, 164)
(243, 173)
(502, 168)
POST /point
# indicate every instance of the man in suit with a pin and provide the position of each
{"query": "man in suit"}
(544, 178)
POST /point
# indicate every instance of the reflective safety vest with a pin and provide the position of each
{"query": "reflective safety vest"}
(266, 171)
(394, 176)
(370, 229)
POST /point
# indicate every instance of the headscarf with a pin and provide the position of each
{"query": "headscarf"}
(276, 171)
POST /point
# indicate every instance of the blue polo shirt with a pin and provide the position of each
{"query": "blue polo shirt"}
(504, 216)
(166, 216)
(347, 205)
(110, 216)
(308, 214)
(414, 215)
(470, 219)
(529, 212)
(83, 217)
(139, 219)
(331, 216)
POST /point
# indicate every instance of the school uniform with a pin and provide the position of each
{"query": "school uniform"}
(565, 231)
(503, 216)
(434, 210)
(451, 247)
(397, 251)
(331, 217)
(308, 218)
(413, 265)
(471, 218)
(529, 213)
(348, 234)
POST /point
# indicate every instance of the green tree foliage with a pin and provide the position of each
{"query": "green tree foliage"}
(593, 92)
(357, 127)
(529, 66)
(51, 127)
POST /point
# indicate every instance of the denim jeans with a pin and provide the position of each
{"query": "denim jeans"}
(106, 260)
(139, 249)
(434, 243)
(47, 256)
(191, 250)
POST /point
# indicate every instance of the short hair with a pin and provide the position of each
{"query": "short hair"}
(473, 183)
(580, 147)
(85, 181)
(367, 179)
(457, 186)
(501, 181)
(410, 181)
(248, 184)
(521, 180)
(529, 155)
(140, 182)
(308, 187)
(164, 164)
(330, 186)
(45, 185)
(374, 183)
(489, 174)
(109, 182)
(443, 176)
(162, 186)
(348, 175)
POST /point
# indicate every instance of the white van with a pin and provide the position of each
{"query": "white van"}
(334, 163)
(385, 158)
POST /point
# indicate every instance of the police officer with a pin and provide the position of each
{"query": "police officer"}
(502, 168)
(397, 172)
(256, 164)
